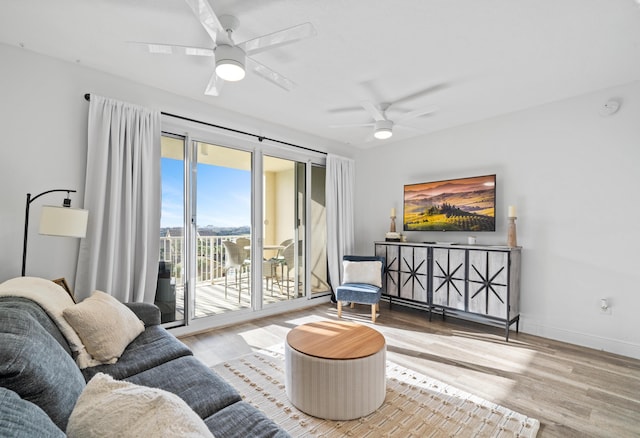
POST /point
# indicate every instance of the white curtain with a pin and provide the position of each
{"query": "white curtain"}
(123, 195)
(340, 186)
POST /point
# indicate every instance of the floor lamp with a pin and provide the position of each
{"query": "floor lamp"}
(56, 221)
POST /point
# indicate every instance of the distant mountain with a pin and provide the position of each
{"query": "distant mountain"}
(209, 230)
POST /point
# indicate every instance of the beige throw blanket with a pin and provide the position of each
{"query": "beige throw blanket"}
(53, 299)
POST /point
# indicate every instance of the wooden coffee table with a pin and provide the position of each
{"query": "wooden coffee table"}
(335, 369)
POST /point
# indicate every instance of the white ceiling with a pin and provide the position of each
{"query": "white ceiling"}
(474, 59)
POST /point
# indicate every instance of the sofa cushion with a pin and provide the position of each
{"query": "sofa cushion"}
(203, 390)
(242, 420)
(105, 325)
(22, 419)
(153, 347)
(148, 313)
(39, 314)
(53, 299)
(34, 365)
(108, 408)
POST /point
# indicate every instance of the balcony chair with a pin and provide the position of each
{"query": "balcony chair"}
(234, 260)
(286, 262)
(279, 256)
(270, 266)
(361, 282)
(243, 243)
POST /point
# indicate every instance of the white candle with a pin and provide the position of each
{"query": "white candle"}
(393, 212)
(512, 211)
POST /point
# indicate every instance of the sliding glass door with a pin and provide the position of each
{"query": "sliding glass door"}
(318, 281)
(214, 262)
(223, 230)
(170, 291)
(283, 231)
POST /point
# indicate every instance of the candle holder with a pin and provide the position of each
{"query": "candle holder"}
(512, 240)
(392, 227)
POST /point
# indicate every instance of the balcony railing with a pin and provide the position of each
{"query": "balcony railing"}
(210, 258)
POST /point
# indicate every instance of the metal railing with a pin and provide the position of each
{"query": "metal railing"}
(210, 256)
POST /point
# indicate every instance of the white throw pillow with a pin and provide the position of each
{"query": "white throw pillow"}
(114, 408)
(362, 272)
(105, 325)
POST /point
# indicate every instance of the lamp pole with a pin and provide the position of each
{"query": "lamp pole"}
(67, 203)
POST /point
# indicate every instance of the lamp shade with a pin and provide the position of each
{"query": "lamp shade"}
(63, 221)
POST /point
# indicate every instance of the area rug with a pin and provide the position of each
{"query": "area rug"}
(415, 405)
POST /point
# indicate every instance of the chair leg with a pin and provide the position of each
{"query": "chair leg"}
(238, 283)
(353, 305)
(373, 313)
(339, 309)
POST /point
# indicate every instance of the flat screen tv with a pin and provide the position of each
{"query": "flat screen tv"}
(463, 204)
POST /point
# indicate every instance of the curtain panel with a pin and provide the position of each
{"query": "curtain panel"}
(123, 195)
(340, 189)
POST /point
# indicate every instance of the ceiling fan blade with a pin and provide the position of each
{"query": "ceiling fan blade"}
(342, 110)
(421, 93)
(375, 112)
(278, 38)
(207, 17)
(417, 113)
(270, 75)
(352, 125)
(168, 49)
(214, 86)
(409, 128)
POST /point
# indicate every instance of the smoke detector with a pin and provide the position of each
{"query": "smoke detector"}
(609, 108)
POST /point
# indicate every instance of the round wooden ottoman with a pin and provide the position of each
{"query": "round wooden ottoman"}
(335, 369)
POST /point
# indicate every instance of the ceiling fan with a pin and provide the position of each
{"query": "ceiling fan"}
(383, 125)
(231, 59)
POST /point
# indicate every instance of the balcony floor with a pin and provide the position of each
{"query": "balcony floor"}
(210, 298)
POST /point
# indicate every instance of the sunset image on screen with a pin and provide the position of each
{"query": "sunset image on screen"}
(465, 204)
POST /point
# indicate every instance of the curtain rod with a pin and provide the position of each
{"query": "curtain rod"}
(260, 138)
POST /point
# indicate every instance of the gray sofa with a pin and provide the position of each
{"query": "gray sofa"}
(40, 382)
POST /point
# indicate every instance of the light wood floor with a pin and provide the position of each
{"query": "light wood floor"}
(573, 391)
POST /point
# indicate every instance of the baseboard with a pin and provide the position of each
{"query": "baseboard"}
(590, 340)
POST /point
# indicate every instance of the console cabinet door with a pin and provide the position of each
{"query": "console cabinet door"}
(488, 283)
(414, 270)
(390, 280)
(449, 278)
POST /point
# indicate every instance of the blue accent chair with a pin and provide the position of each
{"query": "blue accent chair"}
(361, 293)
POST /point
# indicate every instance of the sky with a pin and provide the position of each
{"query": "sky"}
(223, 195)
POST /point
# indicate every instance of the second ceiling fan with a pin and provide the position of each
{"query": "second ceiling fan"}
(231, 60)
(382, 124)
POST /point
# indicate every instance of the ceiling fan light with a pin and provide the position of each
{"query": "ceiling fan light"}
(383, 133)
(230, 63)
(384, 129)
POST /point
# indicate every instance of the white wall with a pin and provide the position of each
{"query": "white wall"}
(574, 177)
(43, 115)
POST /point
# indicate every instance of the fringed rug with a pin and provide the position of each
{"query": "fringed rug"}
(415, 405)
